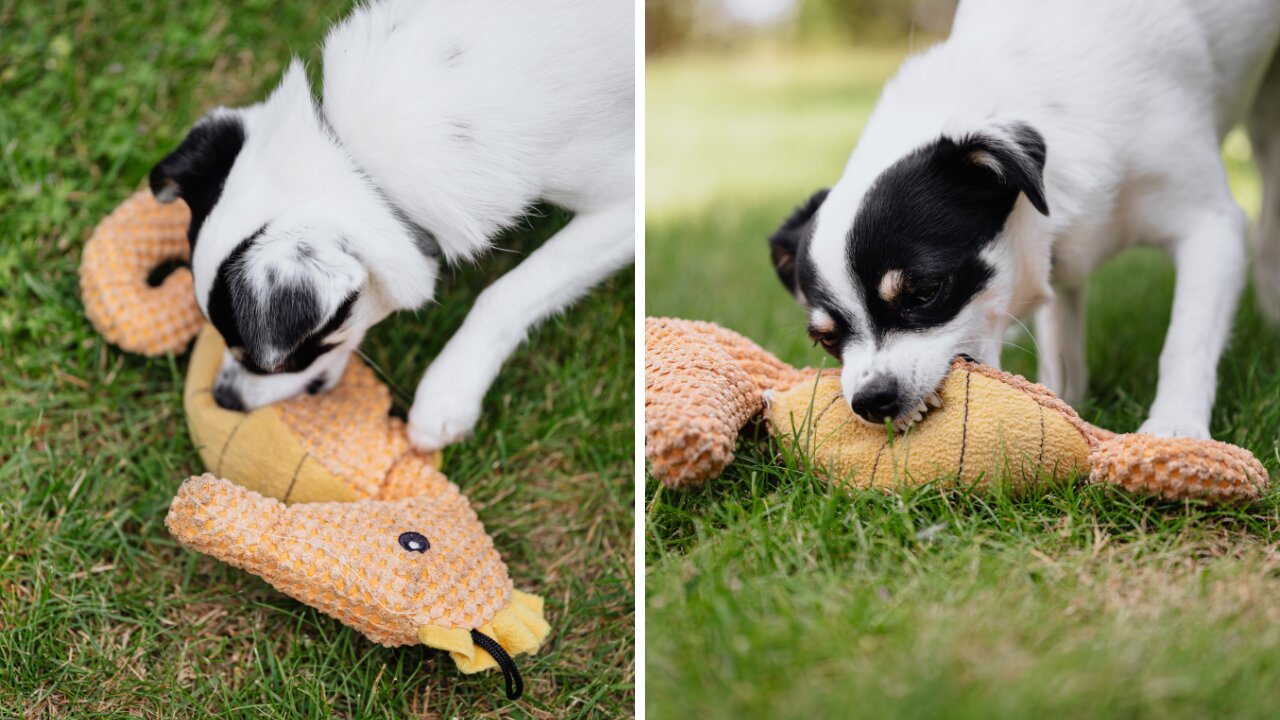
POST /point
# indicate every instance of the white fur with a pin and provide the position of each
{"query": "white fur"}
(463, 114)
(1133, 99)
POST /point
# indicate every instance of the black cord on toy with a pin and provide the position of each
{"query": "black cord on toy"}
(515, 683)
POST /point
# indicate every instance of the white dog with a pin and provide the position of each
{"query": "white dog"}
(1001, 167)
(441, 123)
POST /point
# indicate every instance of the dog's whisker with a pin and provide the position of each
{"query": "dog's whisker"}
(1025, 329)
(383, 375)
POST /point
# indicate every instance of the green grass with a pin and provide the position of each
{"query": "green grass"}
(770, 594)
(102, 614)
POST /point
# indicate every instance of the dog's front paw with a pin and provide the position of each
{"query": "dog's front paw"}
(1175, 427)
(441, 421)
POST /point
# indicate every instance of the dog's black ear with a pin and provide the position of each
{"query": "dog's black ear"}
(784, 243)
(1015, 162)
(197, 168)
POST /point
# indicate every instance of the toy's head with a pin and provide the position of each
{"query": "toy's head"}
(419, 569)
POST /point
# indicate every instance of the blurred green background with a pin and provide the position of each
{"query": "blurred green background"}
(770, 594)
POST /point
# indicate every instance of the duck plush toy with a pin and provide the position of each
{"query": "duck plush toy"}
(322, 495)
(704, 383)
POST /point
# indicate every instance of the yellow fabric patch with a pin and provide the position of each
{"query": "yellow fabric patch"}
(518, 628)
(986, 428)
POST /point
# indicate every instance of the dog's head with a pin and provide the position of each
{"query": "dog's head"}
(903, 269)
(294, 252)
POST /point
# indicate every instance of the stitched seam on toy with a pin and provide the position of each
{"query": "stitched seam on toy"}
(876, 465)
(1040, 460)
(964, 428)
(831, 404)
(232, 436)
(293, 480)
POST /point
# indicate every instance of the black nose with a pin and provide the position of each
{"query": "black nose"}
(878, 399)
(227, 398)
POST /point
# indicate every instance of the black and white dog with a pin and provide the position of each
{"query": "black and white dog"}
(1005, 164)
(441, 123)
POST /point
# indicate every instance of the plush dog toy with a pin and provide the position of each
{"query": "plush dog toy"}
(376, 535)
(704, 383)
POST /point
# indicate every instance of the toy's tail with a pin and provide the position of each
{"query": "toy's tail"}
(703, 383)
(1178, 468)
(127, 295)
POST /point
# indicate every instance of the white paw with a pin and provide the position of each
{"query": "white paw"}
(443, 420)
(1175, 427)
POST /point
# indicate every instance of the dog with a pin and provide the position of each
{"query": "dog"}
(1003, 165)
(440, 124)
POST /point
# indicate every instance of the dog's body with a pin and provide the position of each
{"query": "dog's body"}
(441, 124)
(1001, 167)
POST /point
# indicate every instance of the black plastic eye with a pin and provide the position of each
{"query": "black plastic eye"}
(414, 542)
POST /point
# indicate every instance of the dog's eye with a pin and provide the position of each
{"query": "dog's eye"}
(828, 339)
(921, 292)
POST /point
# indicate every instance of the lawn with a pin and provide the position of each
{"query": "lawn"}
(102, 613)
(770, 594)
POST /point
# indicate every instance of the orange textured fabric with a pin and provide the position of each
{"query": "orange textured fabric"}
(389, 569)
(704, 383)
(1178, 468)
(136, 238)
(349, 431)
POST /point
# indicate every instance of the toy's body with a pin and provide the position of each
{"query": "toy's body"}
(339, 445)
(704, 383)
(985, 428)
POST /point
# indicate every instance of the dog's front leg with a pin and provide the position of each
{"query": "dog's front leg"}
(587, 250)
(1210, 262)
(1060, 344)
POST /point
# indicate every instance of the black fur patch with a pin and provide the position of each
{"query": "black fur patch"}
(930, 215)
(784, 244)
(197, 169)
(288, 322)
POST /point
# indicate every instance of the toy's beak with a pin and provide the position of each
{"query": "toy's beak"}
(518, 628)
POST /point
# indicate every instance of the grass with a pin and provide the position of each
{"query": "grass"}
(102, 614)
(771, 594)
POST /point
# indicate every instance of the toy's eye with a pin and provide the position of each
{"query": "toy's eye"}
(414, 542)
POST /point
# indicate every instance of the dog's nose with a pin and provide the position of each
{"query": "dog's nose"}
(227, 398)
(878, 399)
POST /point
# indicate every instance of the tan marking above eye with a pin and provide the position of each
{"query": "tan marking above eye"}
(890, 285)
(820, 322)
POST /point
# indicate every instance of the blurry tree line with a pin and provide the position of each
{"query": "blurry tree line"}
(674, 25)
